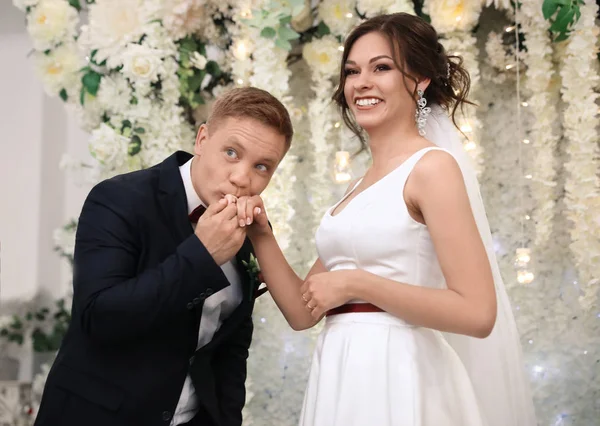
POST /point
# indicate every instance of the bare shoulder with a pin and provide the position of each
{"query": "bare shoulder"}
(436, 165)
(436, 174)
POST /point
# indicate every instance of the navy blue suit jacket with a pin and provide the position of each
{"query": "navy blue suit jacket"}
(140, 280)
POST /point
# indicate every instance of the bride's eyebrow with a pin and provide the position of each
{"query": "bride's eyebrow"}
(376, 58)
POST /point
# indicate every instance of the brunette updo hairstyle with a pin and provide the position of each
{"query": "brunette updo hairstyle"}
(418, 54)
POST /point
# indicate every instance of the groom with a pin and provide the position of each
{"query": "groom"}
(162, 298)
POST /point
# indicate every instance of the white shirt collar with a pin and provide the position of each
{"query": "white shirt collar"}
(193, 200)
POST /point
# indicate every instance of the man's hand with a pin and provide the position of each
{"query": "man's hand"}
(251, 214)
(219, 231)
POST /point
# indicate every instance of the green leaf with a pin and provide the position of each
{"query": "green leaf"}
(283, 44)
(268, 32)
(195, 81)
(549, 8)
(140, 130)
(63, 95)
(561, 37)
(135, 145)
(213, 69)
(323, 29)
(75, 4)
(188, 44)
(91, 82)
(197, 99)
(285, 20)
(287, 33)
(563, 20)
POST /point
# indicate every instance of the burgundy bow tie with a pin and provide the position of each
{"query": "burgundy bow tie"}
(195, 215)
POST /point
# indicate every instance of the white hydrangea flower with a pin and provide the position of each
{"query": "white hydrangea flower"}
(339, 15)
(398, 6)
(114, 24)
(52, 22)
(109, 147)
(115, 94)
(24, 4)
(373, 7)
(323, 56)
(65, 240)
(183, 17)
(59, 69)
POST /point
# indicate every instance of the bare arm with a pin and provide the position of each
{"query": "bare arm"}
(283, 283)
(435, 191)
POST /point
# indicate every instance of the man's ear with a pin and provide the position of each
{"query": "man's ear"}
(201, 138)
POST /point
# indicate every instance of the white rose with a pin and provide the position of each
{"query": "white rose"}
(24, 4)
(108, 147)
(51, 22)
(141, 62)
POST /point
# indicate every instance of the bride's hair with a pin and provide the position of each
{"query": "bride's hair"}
(418, 54)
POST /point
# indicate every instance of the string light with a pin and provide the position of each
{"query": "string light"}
(523, 254)
(342, 167)
(341, 48)
(240, 81)
(241, 50)
(349, 15)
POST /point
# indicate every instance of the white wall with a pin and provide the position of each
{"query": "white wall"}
(35, 196)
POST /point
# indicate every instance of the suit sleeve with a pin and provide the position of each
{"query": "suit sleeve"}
(230, 373)
(116, 304)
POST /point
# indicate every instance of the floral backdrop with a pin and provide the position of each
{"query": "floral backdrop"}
(141, 76)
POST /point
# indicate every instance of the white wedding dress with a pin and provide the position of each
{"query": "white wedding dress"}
(373, 369)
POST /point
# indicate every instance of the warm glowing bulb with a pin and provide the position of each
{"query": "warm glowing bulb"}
(241, 50)
(246, 14)
(240, 81)
(458, 18)
(523, 255)
(509, 29)
(526, 141)
(525, 104)
(342, 167)
(510, 66)
(466, 128)
(341, 48)
(528, 176)
(349, 15)
(337, 125)
(525, 277)
(470, 146)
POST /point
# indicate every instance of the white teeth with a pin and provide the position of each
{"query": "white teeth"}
(365, 102)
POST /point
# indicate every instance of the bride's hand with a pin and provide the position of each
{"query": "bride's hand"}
(252, 214)
(324, 291)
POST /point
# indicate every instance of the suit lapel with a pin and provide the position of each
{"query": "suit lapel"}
(172, 198)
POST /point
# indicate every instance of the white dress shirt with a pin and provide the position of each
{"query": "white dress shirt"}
(216, 309)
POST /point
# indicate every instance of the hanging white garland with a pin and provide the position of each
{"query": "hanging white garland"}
(454, 20)
(543, 105)
(580, 77)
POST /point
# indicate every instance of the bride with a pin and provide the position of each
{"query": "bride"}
(418, 329)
